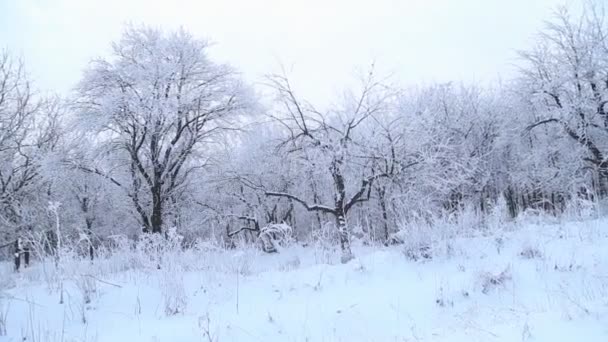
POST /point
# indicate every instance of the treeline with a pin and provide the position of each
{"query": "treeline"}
(158, 136)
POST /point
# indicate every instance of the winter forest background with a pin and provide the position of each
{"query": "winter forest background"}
(160, 144)
(160, 137)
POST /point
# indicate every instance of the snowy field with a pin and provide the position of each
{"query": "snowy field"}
(526, 282)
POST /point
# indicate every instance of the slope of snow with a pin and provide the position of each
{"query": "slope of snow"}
(531, 283)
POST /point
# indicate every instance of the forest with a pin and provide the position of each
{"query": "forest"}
(159, 137)
(167, 197)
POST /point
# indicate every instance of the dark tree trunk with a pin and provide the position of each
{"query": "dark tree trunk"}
(26, 256)
(89, 222)
(18, 252)
(602, 180)
(510, 198)
(382, 199)
(84, 206)
(156, 221)
(292, 216)
(17, 255)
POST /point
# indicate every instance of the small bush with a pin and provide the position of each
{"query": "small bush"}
(417, 252)
(490, 281)
(275, 235)
(531, 253)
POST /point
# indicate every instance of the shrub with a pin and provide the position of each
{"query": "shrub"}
(490, 281)
(530, 253)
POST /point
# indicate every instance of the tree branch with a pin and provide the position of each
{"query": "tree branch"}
(309, 207)
(231, 234)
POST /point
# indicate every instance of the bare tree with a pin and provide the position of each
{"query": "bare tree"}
(332, 141)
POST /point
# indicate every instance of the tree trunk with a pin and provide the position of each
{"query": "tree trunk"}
(316, 199)
(381, 198)
(89, 222)
(17, 254)
(340, 197)
(347, 254)
(175, 212)
(602, 181)
(511, 199)
(156, 221)
(88, 219)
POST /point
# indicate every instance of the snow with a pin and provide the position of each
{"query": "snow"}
(532, 282)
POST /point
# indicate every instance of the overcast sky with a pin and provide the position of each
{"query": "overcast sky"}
(421, 41)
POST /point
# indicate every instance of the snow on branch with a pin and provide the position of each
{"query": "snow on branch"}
(309, 207)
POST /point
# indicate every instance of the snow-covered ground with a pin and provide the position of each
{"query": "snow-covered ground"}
(528, 282)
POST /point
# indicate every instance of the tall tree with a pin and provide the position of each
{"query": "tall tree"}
(155, 104)
(566, 76)
(28, 128)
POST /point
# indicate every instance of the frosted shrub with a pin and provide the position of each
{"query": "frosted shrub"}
(87, 286)
(530, 252)
(426, 237)
(173, 240)
(165, 253)
(580, 208)
(149, 248)
(417, 251)
(326, 236)
(121, 254)
(417, 239)
(325, 241)
(173, 292)
(360, 236)
(497, 216)
(274, 236)
(154, 250)
(490, 281)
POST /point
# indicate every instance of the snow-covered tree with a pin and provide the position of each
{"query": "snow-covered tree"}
(334, 144)
(156, 105)
(566, 78)
(28, 129)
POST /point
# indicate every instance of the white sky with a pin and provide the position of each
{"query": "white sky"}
(421, 41)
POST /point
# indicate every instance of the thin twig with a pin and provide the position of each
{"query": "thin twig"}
(102, 281)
